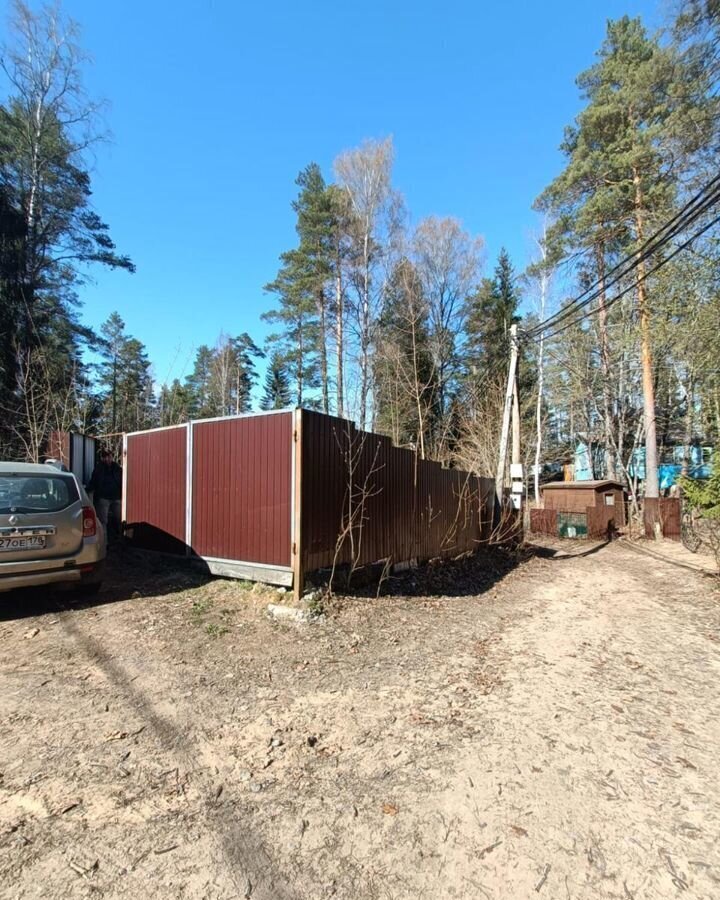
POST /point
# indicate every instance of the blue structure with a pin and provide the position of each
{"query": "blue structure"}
(591, 464)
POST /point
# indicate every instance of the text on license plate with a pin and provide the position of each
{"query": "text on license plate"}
(21, 543)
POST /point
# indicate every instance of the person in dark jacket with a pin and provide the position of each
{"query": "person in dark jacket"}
(106, 487)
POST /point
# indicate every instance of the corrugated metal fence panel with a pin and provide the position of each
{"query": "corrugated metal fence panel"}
(544, 521)
(670, 516)
(242, 489)
(399, 506)
(603, 520)
(89, 450)
(82, 456)
(59, 447)
(156, 489)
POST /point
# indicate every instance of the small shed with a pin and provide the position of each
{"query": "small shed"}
(580, 508)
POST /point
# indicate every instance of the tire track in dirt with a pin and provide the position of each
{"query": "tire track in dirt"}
(248, 864)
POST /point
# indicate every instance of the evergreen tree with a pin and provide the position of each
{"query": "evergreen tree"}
(223, 378)
(646, 112)
(296, 339)
(314, 260)
(277, 388)
(45, 126)
(174, 403)
(489, 314)
(304, 289)
(124, 381)
(197, 385)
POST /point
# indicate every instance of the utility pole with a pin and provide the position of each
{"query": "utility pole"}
(515, 446)
(507, 410)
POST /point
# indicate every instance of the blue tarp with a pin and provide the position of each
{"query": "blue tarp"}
(668, 472)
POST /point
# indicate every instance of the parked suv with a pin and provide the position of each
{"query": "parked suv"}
(49, 532)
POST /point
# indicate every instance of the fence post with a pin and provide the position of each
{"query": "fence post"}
(297, 554)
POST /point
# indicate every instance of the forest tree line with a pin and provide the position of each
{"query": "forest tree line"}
(401, 326)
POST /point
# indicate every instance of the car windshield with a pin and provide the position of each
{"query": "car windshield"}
(36, 493)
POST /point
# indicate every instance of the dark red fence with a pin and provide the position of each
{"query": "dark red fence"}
(602, 521)
(365, 500)
(670, 517)
(155, 488)
(252, 496)
(667, 511)
(241, 489)
(544, 521)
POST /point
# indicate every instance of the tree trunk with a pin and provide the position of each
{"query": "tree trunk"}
(687, 448)
(339, 338)
(538, 408)
(365, 330)
(610, 466)
(652, 486)
(322, 315)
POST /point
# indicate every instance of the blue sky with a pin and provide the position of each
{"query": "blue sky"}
(215, 106)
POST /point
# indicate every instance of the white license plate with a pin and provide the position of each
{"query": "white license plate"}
(8, 544)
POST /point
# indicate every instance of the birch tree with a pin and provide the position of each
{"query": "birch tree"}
(365, 175)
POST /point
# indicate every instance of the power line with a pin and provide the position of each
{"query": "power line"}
(542, 333)
(683, 218)
(692, 210)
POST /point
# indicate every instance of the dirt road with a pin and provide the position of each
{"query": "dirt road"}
(552, 732)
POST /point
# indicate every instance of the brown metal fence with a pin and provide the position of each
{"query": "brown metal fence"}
(670, 517)
(601, 521)
(666, 510)
(365, 500)
(544, 521)
(155, 498)
(241, 489)
(273, 496)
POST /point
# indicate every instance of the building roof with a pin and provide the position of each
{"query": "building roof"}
(579, 485)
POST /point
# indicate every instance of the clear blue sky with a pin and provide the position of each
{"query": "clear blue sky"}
(215, 105)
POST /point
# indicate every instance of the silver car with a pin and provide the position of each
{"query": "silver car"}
(49, 532)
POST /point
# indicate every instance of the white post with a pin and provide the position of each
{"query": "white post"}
(507, 410)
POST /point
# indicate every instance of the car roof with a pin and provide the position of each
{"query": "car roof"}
(18, 468)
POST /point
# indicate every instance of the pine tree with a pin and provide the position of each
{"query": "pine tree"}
(124, 380)
(304, 285)
(223, 378)
(645, 113)
(197, 384)
(316, 213)
(296, 339)
(174, 404)
(489, 314)
(45, 128)
(277, 388)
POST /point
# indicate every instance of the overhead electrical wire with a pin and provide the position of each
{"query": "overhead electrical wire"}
(678, 222)
(692, 210)
(632, 286)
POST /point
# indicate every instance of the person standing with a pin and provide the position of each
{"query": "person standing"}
(106, 486)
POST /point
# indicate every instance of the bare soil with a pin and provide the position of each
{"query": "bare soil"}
(544, 727)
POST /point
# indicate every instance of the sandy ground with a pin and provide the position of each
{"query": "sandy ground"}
(551, 732)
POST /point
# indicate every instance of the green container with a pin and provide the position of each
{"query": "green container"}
(572, 525)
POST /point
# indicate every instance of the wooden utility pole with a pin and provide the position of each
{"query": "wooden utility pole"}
(507, 410)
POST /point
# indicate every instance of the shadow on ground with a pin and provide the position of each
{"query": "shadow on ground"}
(466, 576)
(570, 550)
(129, 575)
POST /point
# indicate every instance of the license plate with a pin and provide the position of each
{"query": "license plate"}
(9, 544)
